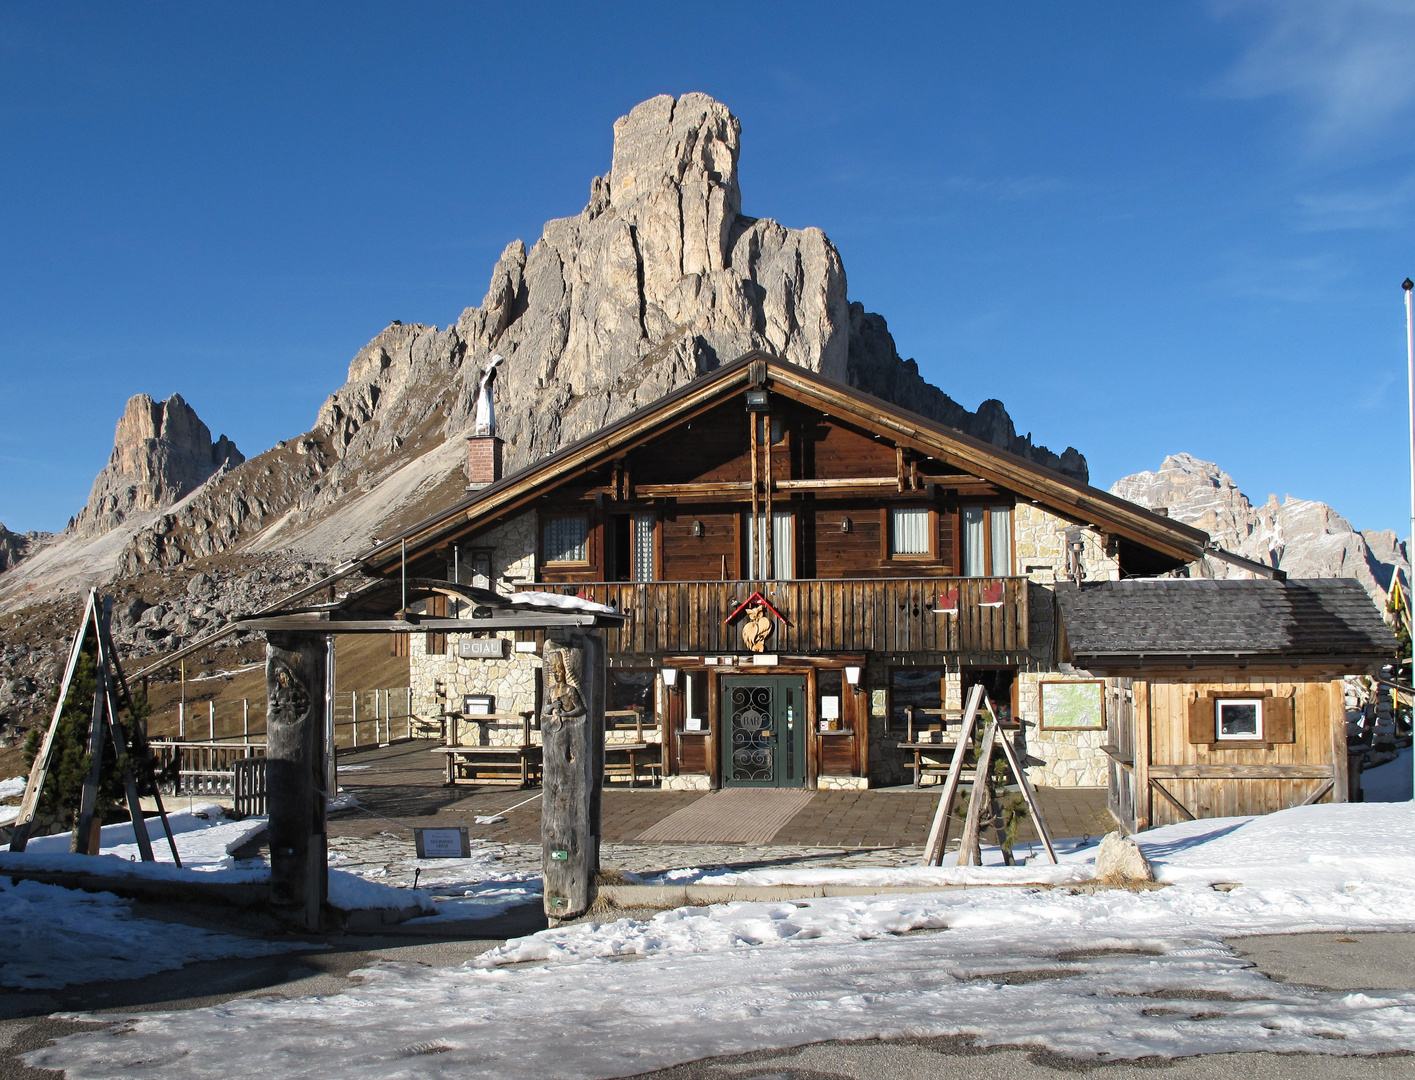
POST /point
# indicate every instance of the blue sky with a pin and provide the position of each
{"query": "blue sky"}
(1147, 228)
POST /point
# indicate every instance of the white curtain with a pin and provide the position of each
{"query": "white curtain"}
(911, 531)
(783, 547)
(643, 547)
(975, 541)
(1001, 541)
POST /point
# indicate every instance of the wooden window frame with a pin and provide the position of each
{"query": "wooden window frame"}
(544, 520)
(958, 534)
(886, 533)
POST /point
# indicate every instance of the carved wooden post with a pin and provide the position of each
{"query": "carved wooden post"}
(572, 731)
(295, 781)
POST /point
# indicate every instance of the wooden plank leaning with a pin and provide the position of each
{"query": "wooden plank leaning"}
(85, 840)
(125, 701)
(30, 804)
(1010, 752)
(970, 847)
(938, 831)
(106, 656)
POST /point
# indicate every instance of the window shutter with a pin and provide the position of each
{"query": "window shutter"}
(436, 641)
(1278, 720)
(1201, 721)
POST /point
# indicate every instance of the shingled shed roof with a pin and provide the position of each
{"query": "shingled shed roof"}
(1182, 619)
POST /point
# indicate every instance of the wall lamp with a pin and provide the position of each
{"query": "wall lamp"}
(846, 525)
(670, 677)
(758, 401)
(697, 528)
(852, 676)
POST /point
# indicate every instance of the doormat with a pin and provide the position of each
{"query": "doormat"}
(730, 816)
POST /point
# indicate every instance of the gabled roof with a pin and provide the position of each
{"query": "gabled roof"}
(1184, 620)
(1069, 498)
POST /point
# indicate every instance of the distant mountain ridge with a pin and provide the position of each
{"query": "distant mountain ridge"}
(1304, 538)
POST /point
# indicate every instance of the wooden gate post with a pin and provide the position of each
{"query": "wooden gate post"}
(295, 781)
(572, 732)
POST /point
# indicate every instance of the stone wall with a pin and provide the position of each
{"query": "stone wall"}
(1058, 758)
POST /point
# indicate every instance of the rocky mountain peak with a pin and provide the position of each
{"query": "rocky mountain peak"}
(1305, 538)
(162, 452)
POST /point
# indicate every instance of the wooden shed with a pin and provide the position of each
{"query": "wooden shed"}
(1225, 698)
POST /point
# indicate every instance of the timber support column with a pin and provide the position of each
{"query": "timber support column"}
(295, 775)
(572, 779)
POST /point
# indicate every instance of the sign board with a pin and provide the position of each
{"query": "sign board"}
(478, 704)
(830, 708)
(443, 843)
(492, 648)
(765, 660)
(1073, 706)
(693, 723)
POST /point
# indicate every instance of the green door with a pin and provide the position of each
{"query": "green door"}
(764, 731)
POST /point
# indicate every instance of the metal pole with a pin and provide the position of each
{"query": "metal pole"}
(331, 756)
(246, 724)
(211, 720)
(403, 614)
(354, 715)
(182, 721)
(1409, 285)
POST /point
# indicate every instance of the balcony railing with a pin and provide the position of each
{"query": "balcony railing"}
(946, 615)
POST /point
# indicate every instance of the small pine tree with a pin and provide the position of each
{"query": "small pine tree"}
(69, 759)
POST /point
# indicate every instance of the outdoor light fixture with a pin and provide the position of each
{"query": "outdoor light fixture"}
(758, 401)
(670, 677)
(852, 676)
(845, 524)
(697, 528)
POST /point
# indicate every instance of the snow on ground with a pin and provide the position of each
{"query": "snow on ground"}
(1091, 974)
(52, 937)
(12, 788)
(1390, 782)
(206, 841)
(205, 838)
(480, 887)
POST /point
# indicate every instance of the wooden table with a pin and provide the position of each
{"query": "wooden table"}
(486, 765)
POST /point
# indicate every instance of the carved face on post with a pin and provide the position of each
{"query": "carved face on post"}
(289, 697)
(564, 698)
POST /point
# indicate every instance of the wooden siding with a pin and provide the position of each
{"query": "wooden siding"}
(876, 615)
(1216, 781)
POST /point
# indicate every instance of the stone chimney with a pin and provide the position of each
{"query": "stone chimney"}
(483, 460)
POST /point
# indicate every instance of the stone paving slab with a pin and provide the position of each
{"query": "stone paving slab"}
(402, 785)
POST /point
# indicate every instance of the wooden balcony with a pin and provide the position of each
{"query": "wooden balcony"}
(849, 616)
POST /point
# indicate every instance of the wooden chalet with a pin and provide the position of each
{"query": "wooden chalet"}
(813, 579)
(1226, 696)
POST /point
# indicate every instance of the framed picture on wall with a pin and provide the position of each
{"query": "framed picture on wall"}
(1077, 705)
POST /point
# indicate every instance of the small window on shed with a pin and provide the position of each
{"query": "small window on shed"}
(565, 540)
(1240, 719)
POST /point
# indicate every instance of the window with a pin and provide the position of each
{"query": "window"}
(643, 547)
(909, 532)
(564, 540)
(987, 541)
(1240, 719)
(919, 689)
(783, 547)
(631, 699)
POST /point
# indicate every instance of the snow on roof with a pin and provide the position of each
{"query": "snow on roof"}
(560, 603)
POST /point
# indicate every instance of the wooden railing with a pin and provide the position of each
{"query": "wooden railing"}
(856, 615)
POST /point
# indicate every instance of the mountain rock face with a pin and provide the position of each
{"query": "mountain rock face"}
(658, 280)
(162, 452)
(15, 546)
(1306, 539)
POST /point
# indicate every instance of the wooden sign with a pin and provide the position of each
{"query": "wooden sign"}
(443, 843)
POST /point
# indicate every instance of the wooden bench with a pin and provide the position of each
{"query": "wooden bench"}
(633, 764)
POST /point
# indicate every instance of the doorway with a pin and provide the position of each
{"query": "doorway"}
(764, 731)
